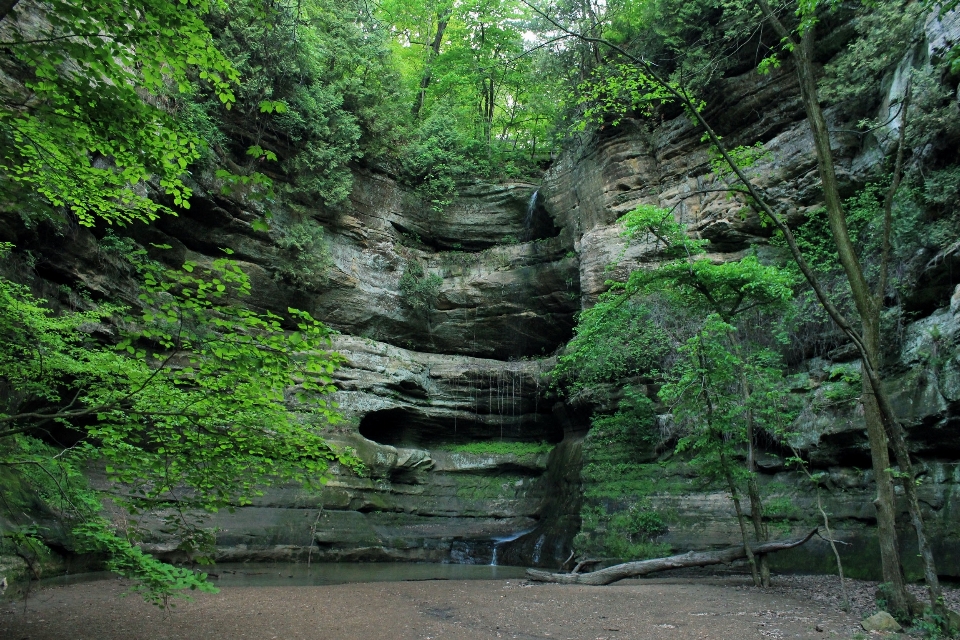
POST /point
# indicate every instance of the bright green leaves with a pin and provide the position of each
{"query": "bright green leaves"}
(694, 281)
(260, 153)
(744, 156)
(471, 76)
(617, 89)
(199, 404)
(615, 340)
(719, 392)
(768, 64)
(84, 139)
(648, 223)
(273, 106)
(319, 90)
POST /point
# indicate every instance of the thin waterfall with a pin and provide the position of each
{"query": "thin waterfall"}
(500, 540)
(536, 396)
(513, 397)
(520, 424)
(528, 220)
(489, 393)
(500, 400)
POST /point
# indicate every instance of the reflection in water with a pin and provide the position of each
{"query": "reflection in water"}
(280, 574)
(273, 574)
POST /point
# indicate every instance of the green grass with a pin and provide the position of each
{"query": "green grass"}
(501, 448)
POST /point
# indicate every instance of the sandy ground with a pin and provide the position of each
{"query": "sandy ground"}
(720, 607)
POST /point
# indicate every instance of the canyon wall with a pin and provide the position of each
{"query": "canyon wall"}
(516, 262)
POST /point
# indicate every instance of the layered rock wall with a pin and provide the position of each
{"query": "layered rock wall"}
(515, 263)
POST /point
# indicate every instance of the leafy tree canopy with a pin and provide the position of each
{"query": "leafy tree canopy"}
(83, 124)
(197, 403)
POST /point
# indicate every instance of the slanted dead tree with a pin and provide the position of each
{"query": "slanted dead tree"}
(644, 567)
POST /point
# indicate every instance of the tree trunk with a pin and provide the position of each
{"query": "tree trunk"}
(885, 501)
(443, 18)
(644, 567)
(759, 528)
(747, 551)
(802, 54)
(753, 490)
(876, 403)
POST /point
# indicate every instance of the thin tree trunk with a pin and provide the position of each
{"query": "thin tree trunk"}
(748, 552)
(753, 490)
(443, 18)
(759, 528)
(874, 399)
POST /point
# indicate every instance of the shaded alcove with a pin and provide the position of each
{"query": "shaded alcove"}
(407, 427)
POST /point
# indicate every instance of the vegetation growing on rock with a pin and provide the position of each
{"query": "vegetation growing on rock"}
(270, 119)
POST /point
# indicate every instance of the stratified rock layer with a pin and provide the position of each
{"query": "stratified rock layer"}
(516, 262)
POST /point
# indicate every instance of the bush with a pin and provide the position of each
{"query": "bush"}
(304, 256)
(614, 340)
(418, 289)
(626, 535)
(439, 155)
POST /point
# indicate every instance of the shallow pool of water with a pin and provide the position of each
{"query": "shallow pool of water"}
(287, 574)
(272, 574)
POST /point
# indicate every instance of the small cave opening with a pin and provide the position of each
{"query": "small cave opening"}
(538, 223)
(407, 427)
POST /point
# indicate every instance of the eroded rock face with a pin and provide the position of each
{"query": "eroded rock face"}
(508, 290)
(516, 262)
(509, 283)
(665, 163)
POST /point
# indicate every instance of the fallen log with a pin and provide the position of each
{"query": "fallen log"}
(643, 567)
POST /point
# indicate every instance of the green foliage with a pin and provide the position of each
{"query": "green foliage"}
(722, 389)
(189, 411)
(418, 289)
(117, 246)
(713, 386)
(470, 74)
(885, 31)
(844, 386)
(439, 155)
(304, 256)
(615, 90)
(496, 447)
(689, 44)
(614, 340)
(617, 519)
(319, 92)
(86, 121)
(627, 535)
(693, 281)
(632, 427)
(864, 211)
(926, 216)
(745, 157)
